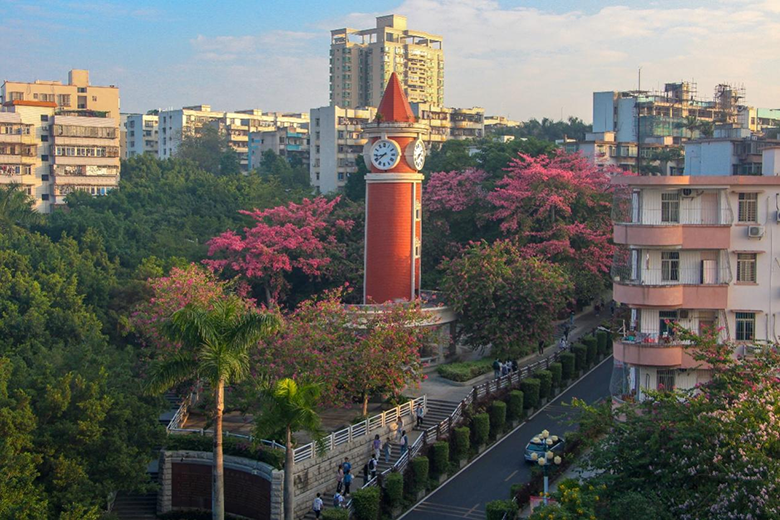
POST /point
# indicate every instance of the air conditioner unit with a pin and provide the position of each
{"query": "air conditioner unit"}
(687, 192)
(683, 314)
(755, 231)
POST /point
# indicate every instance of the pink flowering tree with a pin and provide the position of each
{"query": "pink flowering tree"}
(296, 238)
(506, 299)
(352, 354)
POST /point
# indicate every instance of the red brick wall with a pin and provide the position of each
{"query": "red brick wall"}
(245, 494)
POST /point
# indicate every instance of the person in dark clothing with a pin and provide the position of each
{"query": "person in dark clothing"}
(514, 365)
(541, 346)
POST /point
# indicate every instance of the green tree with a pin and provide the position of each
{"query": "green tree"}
(288, 174)
(215, 346)
(451, 155)
(290, 407)
(17, 208)
(355, 188)
(209, 149)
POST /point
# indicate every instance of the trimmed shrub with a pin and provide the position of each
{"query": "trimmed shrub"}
(334, 514)
(590, 352)
(530, 388)
(420, 467)
(609, 343)
(556, 369)
(568, 360)
(460, 443)
(514, 489)
(515, 408)
(441, 457)
(545, 382)
(601, 342)
(466, 370)
(394, 489)
(496, 509)
(365, 503)
(580, 352)
(497, 417)
(481, 428)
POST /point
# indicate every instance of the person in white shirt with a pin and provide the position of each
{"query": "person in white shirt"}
(338, 500)
(317, 506)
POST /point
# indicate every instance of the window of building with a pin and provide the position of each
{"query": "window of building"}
(15, 96)
(666, 322)
(670, 266)
(748, 207)
(665, 379)
(670, 207)
(45, 138)
(45, 177)
(82, 90)
(746, 326)
(45, 196)
(746, 267)
(44, 158)
(44, 117)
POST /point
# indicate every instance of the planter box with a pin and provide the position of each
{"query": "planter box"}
(481, 448)
(442, 478)
(515, 423)
(542, 402)
(529, 412)
(420, 495)
(397, 511)
(463, 463)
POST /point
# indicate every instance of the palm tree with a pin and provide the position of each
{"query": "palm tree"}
(690, 123)
(290, 407)
(17, 208)
(215, 347)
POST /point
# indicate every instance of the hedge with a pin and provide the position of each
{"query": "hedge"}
(545, 383)
(567, 365)
(514, 489)
(460, 443)
(556, 369)
(497, 417)
(420, 473)
(515, 408)
(441, 457)
(331, 513)
(530, 388)
(580, 352)
(590, 353)
(365, 503)
(601, 342)
(394, 489)
(496, 509)
(195, 514)
(466, 370)
(230, 446)
(481, 428)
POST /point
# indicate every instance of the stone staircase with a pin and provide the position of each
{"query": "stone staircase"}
(436, 411)
(135, 506)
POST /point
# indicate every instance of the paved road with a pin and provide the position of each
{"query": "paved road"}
(490, 477)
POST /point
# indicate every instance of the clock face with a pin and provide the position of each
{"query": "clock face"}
(385, 154)
(419, 155)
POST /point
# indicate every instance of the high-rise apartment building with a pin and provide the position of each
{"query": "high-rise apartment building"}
(361, 62)
(56, 139)
(696, 250)
(173, 124)
(292, 143)
(449, 123)
(141, 134)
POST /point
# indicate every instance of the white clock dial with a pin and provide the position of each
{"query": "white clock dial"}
(419, 155)
(385, 154)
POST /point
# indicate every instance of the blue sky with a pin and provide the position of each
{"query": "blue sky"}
(520, 58)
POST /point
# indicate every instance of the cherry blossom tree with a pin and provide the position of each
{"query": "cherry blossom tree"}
(506, 299)
(285, 239)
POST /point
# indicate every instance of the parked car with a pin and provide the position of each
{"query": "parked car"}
(539, 446)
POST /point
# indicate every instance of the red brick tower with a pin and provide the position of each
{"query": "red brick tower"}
(394, 153)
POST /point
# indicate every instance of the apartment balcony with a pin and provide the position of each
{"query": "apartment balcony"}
(467, 124)
(18, 139)
(16, 179)
(86, 161)
(654, 354)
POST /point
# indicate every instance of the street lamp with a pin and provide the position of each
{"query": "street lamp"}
(549, 458)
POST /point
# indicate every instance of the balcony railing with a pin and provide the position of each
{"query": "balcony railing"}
(633, 270)
(693, 210)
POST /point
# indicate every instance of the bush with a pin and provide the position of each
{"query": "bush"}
(230, 446)
(590, 352)
(460, 443)
(515, 408)
(530, 388)
(394, 489)
(441, 457)
(497, 417)
(365, 503)
(420, 467)
(545, 383)
(567, 365)
(496, 509)
(601, 342)
(334, 514)
(481, 428)
(609, 344)
(514, 489)
(556, 369)
(580, 356)
(466, 370)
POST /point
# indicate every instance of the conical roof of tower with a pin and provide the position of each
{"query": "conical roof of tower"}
(394, 105)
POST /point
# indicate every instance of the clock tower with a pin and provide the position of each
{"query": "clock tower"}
(395, 154)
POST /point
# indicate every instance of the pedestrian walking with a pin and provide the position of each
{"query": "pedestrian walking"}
(571, 319)
(316, 506)
(420, 412)
(372, 465)
(340, 479)
(496, 369)
(376, 445)
(541, 347)
(404, 443)
(347, 466)
(504, 369)
(387, 449)
(365, 474)
(597, 307)
(338, 500)
(612, 308)
(399, 427)
(566, 331)
(562, 344)
(514, 365)
(347, 483)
